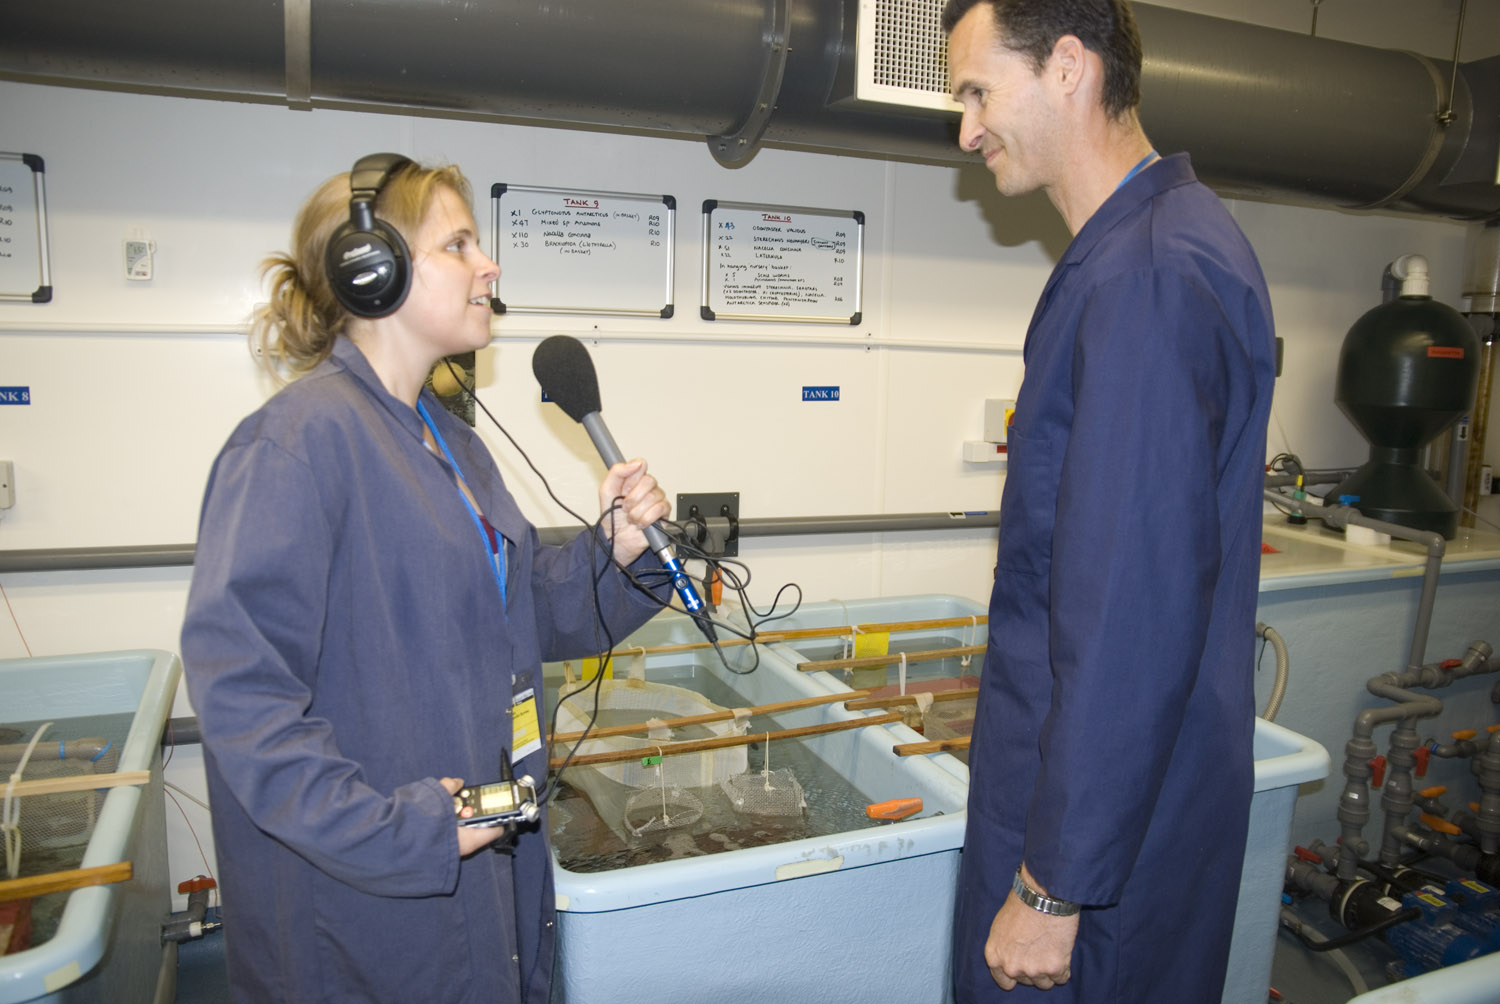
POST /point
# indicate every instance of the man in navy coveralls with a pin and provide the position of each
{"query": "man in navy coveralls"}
(1111, 760)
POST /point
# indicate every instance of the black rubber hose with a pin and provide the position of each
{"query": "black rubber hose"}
(1350, 937)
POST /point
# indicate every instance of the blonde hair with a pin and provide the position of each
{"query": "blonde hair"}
(295, 330)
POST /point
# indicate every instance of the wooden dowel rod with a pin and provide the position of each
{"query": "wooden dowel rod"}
(795, 634)
(931, 746)
(870, 703)
(78, 782)
(75, 878)
(868, 661)
(716, 716)
(723, 742)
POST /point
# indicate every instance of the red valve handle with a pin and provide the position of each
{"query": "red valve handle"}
(1377, 771)
(1421, 756)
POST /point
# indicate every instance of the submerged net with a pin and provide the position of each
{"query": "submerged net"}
(621, 791)
(651, 810)
(765, 792)
(37, 827)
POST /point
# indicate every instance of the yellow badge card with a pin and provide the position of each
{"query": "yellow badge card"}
(525, 732)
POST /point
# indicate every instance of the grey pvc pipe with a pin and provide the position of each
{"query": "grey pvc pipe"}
(60, 559)
(1342, 516)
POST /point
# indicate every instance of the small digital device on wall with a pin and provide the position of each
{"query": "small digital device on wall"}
(781, 263)
(25, 274)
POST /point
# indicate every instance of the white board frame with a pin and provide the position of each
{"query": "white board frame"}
(565, 268)
(25, 271)
(799, 258)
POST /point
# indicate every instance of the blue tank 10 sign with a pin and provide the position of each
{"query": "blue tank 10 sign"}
(24, 271)
(781, 263)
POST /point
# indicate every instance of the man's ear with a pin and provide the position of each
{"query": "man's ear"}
(1069, 64)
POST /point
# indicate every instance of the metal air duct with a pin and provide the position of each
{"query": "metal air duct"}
(1263, 111)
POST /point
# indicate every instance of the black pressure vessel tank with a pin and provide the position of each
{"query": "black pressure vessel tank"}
(1409, 369)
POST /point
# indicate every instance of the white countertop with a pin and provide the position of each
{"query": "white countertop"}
(1313, 554)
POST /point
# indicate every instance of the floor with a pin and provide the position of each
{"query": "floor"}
(1300, 977)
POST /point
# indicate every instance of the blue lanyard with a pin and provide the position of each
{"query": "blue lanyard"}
(495, 551)
(1137, 169)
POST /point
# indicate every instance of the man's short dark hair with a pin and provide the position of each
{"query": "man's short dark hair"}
(1105, 27)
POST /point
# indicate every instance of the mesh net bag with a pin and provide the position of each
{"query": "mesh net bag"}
(633, 700)
(651, 810)
(33, 824)
(765, 793)
(622, 793)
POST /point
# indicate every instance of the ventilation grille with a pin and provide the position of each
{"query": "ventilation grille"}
(902, 55)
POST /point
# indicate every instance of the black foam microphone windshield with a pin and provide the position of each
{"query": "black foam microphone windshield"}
(563, 367)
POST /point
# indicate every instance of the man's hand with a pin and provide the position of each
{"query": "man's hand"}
(1029, 947)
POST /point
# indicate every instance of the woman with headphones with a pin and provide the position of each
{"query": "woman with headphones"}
(367, 620)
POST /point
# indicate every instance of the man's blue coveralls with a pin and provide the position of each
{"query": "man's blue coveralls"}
(1112, 745)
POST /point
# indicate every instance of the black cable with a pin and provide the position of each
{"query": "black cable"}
(641, 582)
(1350, 937)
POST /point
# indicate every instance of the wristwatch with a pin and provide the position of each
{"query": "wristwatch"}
(1038, 902)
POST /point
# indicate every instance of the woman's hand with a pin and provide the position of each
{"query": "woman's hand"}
(471, 838)
(641, 502)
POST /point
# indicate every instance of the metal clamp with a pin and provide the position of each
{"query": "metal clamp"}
(735, 148)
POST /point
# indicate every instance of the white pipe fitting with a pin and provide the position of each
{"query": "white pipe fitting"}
(1411, 270)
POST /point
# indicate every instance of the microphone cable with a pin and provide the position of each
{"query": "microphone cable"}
(642, 581)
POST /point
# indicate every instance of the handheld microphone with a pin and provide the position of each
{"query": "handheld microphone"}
(563, 367)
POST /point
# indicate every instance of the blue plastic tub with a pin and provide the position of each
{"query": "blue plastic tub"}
(1283, 760)
(108, 942)
(857, 916)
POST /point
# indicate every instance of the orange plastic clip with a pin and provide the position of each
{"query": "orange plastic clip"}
(1439, 825)
(896, 808)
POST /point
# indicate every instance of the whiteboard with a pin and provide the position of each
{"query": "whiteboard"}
(783, 263)
(577, 252)
(24, 272)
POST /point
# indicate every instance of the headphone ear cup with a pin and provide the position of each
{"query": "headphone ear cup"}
(369, 270)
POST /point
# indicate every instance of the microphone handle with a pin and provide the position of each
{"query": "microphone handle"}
(593, 423)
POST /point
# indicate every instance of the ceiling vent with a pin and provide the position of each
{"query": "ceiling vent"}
(900, 56)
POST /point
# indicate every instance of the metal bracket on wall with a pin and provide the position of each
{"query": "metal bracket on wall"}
(712, 521)
(298, 21)
(735, 148)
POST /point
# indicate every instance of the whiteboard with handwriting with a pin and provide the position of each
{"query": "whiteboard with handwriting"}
(24, 273)
(781, 263)
(576, 252)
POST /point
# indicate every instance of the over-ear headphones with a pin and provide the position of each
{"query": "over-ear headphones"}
(367, 261)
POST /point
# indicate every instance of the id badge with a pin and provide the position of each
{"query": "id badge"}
(525, 731)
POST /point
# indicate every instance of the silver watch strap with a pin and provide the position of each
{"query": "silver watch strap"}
(1040, 903)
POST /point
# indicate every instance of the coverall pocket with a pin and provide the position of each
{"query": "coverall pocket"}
(1028, 505)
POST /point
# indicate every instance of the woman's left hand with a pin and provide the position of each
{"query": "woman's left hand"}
(641, 502)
